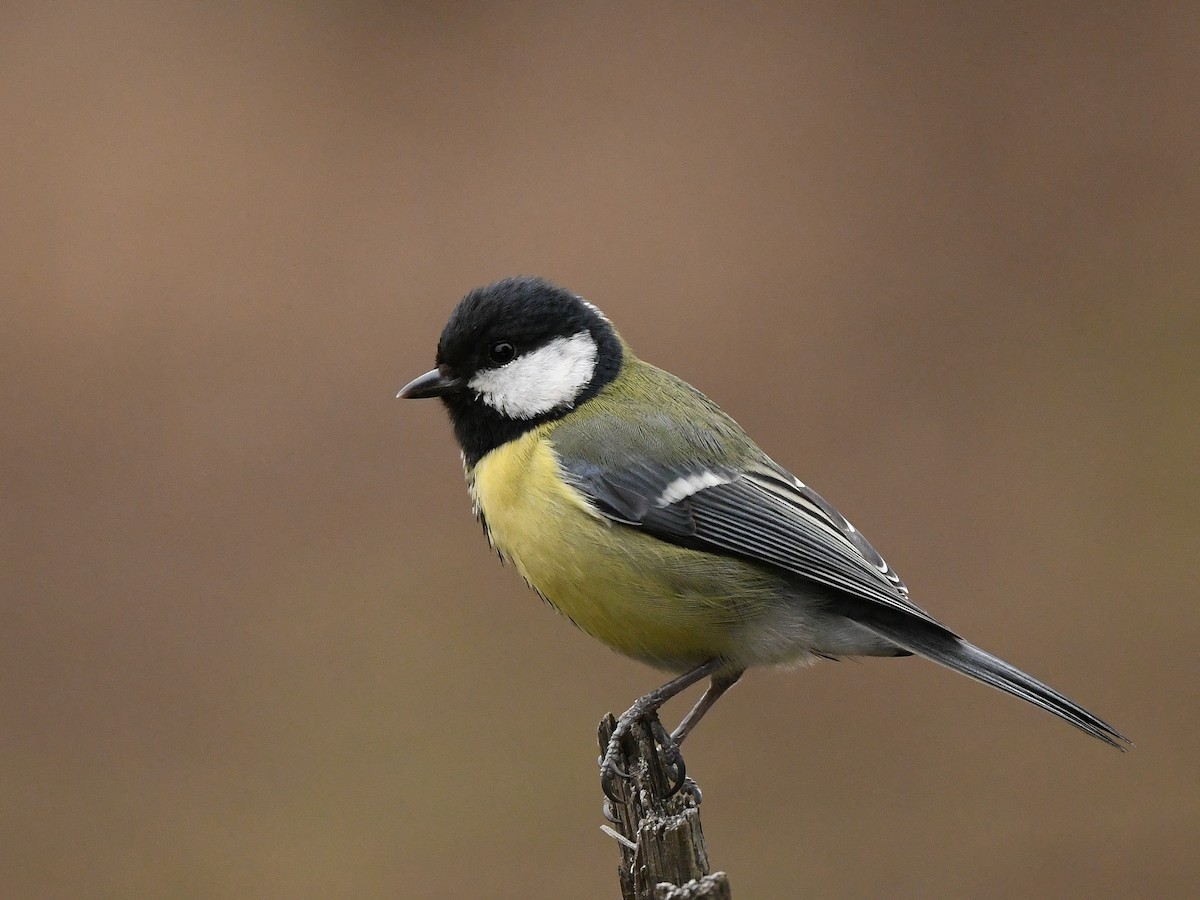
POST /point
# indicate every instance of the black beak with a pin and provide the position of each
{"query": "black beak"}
(432, 384)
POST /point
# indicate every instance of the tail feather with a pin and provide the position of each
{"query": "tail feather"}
(951, 651)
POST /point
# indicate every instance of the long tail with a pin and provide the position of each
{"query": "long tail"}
(953, 652)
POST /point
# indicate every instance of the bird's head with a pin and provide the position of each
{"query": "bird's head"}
(515, 354)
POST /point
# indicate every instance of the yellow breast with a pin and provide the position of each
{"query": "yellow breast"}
(648, 599)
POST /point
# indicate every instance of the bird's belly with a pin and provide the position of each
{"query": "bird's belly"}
(648, 599)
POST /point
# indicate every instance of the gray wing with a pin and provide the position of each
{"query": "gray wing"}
(758, 512)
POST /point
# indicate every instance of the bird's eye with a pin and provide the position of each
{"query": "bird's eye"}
(501, 352)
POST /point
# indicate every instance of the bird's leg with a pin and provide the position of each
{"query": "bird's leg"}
(642, 707)
(718, 686)
(671, 754)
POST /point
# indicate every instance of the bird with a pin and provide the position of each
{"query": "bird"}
(641, 511)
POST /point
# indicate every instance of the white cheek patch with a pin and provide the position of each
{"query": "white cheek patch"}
(538, 382)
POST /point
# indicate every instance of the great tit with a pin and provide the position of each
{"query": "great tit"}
(637, 508)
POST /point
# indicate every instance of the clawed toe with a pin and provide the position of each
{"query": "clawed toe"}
(670, 754)
(609, 770)
(672, 757)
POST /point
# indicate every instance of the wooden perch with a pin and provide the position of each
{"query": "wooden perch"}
(663, 854)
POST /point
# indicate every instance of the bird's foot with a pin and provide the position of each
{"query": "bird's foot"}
(692, 789)
(670, 754)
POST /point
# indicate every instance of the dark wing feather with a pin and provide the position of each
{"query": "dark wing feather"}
(758, 513)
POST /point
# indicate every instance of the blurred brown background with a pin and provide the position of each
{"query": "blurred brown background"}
(941, 261)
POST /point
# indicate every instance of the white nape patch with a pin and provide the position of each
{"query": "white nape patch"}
(594, 308)
(686, 485)
(537, 382)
